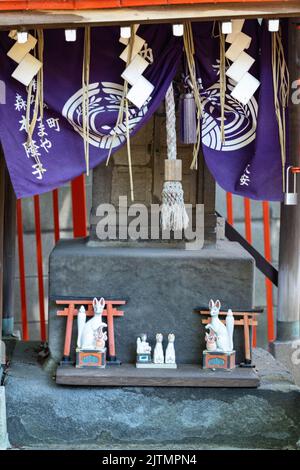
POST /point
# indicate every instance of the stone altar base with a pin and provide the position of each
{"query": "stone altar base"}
(3, 430)
(162, 287)
(41, 414)
(186, 375)
(288, 353)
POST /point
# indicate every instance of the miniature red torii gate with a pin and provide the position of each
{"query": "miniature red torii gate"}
(110, 312)
(247, 319)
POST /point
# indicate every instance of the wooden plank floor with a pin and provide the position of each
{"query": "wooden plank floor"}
(186, 375)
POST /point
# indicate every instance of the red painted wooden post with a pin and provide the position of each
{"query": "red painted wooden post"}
(55, 215)
(111, 333)
(229, 205)
(39, 258)
(268, 256)
(69, 329)
(25, 334)
(248, 236)
(248, 228)
(79, 207)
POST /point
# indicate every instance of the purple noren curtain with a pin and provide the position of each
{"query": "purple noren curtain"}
(248, 163)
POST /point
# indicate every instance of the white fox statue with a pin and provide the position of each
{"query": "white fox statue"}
(224, 333)
(89, 331)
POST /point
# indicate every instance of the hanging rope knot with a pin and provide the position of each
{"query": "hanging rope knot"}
(189, 47)
(281, 86)
(173, 213)
(222, 82)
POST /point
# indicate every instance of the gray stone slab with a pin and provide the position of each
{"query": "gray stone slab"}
(162, 288)
(3, 427)
(41, 414)
(288, 353)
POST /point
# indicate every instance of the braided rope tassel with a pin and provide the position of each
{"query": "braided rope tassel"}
(281, 94)
(189, 47)
(222, 83)
(173, 214)
(85, 94)
(124, 110)
(35, 98)
(38, 101)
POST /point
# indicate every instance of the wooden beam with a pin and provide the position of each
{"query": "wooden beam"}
(186, 375)
(158, 14)
(34, 5)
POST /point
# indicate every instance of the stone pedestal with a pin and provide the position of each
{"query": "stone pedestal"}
(288, 353)
(162, 287)
(3, 429)
(41, 414)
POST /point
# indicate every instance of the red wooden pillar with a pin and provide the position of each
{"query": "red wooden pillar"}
(55, 215)
(25, 333)
(248, 228)
(268, 256)
(229, 205)
(68, 338)
(111, 333)
(248, 236)
(79, 207)
(39, 259)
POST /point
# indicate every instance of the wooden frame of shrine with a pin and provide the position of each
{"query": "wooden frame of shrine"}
(23, 15)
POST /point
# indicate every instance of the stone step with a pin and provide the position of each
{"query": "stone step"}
(41, 414)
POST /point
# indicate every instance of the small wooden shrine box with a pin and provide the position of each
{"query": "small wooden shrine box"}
(90, 358)
(218, 360)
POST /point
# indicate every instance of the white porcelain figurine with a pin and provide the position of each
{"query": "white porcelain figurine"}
(230, 327)
(211, 341)
(142, 346)
(90, 333)
(170, 351)
(158, 355)
(223, 333)
(81, 319)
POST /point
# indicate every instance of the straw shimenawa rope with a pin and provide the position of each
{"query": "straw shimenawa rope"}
(222, 82)
(281, 82)
(85, 94)
(38, 101)
(124, 110)
(173, 213)
(189, 48)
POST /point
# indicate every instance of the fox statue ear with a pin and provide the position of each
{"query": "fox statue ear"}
(102, 302)
(218, 304)
(95, 301)
(211, 304)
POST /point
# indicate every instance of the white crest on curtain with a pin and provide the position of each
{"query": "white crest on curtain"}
(240, 121)
(104, 97)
